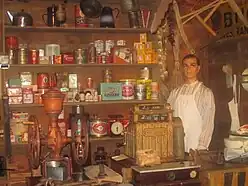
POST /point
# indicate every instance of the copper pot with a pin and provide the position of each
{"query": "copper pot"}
(53, 101)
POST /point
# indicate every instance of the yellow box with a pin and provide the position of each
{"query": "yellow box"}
(148, 58)
(139, 46)
(143, 38)
(148, 46)
(140, 58)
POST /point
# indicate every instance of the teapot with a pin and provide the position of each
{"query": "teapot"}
(107, 18)
(21, 19)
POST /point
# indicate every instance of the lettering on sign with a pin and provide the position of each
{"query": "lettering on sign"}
(227, 24)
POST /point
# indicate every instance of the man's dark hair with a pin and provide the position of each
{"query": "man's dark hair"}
(190, 56)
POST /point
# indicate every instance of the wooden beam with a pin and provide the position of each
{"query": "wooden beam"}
(212, 11)
(209, 29)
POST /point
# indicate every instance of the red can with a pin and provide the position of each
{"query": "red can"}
(53, 80)
(11, 42)
(33, 56)
(43, 80)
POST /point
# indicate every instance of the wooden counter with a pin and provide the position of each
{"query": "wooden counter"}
(211, 174)
(229, 174)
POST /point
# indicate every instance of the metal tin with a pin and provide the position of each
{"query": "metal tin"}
(26, 78)
(52, 59)
(99, 44)
(109, 44)
(140, 92)
(80, 56)
(98, 128)
(145, 73)
(43, 80)
(41, 52)
(12, 56)
(107, 76)
(22, 56)
(92, 53)
(27, 94)
(155, 90)
(128, 89)
(33, 56)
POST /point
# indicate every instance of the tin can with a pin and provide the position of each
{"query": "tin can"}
(98, 128)
(12, 56)
(99, 44)
(80, 56)
(80, 18)
(52, 59)
(27, 94)
(89, 83)
(43, 80)
(128, 89)
(11, 42)
(107, 76)
(22, 56)
(41, 52)
(53, 80)
(145, 73)
(109, 44)
(33, 56)
(140, 92)
(148, 90)
(99, 59)
(154, 90)
(92, 53)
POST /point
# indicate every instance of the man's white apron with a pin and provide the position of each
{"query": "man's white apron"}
(186, 108)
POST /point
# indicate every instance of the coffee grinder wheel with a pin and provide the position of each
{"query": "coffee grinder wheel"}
(80, 148)
(34, 144)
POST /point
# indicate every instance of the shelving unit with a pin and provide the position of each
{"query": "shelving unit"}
(89, 103)
(74, 30)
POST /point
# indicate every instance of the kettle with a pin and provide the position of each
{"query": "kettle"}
(21, 19)
(107, 19)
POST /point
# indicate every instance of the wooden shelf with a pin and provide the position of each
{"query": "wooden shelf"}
(81, 65)
(104, 138)
(76, 30)
(89, 103)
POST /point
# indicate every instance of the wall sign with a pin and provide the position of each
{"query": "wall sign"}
(227, 24)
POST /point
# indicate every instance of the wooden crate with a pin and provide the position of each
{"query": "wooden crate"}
(227, 176)
(150, 135)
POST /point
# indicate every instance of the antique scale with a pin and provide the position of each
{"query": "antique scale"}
(54, 165)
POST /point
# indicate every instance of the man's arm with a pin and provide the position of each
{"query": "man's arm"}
(208, 114)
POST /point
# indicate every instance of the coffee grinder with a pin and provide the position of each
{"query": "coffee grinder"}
(54, 165)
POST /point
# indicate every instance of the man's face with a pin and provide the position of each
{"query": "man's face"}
(191, 68)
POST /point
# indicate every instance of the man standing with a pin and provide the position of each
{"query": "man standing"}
(194, 103)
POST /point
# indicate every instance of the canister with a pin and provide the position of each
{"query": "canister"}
(128, 88)
(33, 56)
(22, 56)
(140, 92)
(43, 80)
(91, 53)
(155, 90)
(98, 127)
